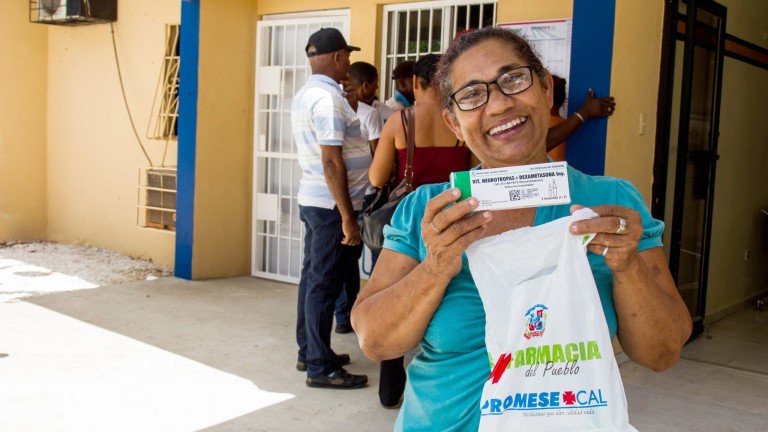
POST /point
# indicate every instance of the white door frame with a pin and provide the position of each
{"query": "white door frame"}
(277, 241)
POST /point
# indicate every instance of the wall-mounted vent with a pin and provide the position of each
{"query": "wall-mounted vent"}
(157, 198)
(72, 12)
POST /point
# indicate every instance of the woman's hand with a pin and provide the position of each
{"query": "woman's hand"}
(595, 108)
(653, 320)
(618, 234)
(448, 230)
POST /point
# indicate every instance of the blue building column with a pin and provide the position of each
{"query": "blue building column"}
(187, 136)
(591, 61)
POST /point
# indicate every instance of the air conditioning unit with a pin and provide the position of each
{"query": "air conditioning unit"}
(72, 12)
(157, 198)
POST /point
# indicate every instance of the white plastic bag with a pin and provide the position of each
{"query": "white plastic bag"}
(552, 361)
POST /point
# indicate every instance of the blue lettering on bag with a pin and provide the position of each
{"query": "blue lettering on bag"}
(543, 401)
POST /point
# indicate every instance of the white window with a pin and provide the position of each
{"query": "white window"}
(165, 108)
(412, 30)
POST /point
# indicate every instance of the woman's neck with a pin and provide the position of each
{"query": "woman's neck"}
(424, 96)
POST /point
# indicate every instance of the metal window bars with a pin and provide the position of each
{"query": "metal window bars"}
(165, 105)
(415, 29)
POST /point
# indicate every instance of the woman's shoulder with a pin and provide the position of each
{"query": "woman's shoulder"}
(426, 192)
(587, 189)
(413, 206)
(419, 197)
(578, 177)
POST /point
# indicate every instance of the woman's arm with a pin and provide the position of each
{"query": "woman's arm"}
(394, 309)
(653, 320)
(591, 108)
(384, 158)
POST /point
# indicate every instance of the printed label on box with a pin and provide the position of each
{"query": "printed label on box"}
(515, 187)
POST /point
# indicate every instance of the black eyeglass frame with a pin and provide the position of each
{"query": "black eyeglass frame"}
(531, 72)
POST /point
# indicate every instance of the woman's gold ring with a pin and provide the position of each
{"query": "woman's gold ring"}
(432, 222)
(622, 226)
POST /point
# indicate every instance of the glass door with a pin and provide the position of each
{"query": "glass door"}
(692, 156)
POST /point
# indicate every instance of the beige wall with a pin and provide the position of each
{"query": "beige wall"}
(93, 155)
(507, 11)
(740, 193)
(22, 125)
(738, 224)
(748, 20)
(223, 192)
(635, 85)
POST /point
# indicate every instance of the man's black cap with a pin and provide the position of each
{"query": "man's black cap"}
(327, 40)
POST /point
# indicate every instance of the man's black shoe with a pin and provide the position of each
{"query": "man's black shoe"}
(343, 328)
(338, 379)
(341, 360)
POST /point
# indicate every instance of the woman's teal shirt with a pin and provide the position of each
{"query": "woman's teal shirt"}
(445, 380)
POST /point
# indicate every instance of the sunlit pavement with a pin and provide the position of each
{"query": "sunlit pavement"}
(66, 375)
(170, 355)
(19, 279)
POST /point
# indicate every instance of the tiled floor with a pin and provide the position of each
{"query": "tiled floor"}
(720, 384)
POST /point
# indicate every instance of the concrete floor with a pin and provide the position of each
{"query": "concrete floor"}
(219, 355)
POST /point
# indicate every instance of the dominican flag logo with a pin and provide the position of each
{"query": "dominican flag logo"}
(535, 321)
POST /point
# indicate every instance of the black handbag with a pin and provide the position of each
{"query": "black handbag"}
(379, 212)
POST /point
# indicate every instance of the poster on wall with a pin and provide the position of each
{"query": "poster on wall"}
(551, 39)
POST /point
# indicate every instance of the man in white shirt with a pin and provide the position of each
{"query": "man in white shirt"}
(334, 158)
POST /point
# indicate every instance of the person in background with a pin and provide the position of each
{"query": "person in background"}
(560, 128)
(437, 154)
(334, 159)
(558, 152)
(360, 88)
(497, 97)
(362, 85)
(403, 96)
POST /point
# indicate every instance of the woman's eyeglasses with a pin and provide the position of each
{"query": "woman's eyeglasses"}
(511, 82)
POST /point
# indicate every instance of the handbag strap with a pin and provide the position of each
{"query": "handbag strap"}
(408, 116)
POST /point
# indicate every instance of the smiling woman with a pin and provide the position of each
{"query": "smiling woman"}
(501, 111)
(421, 291)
